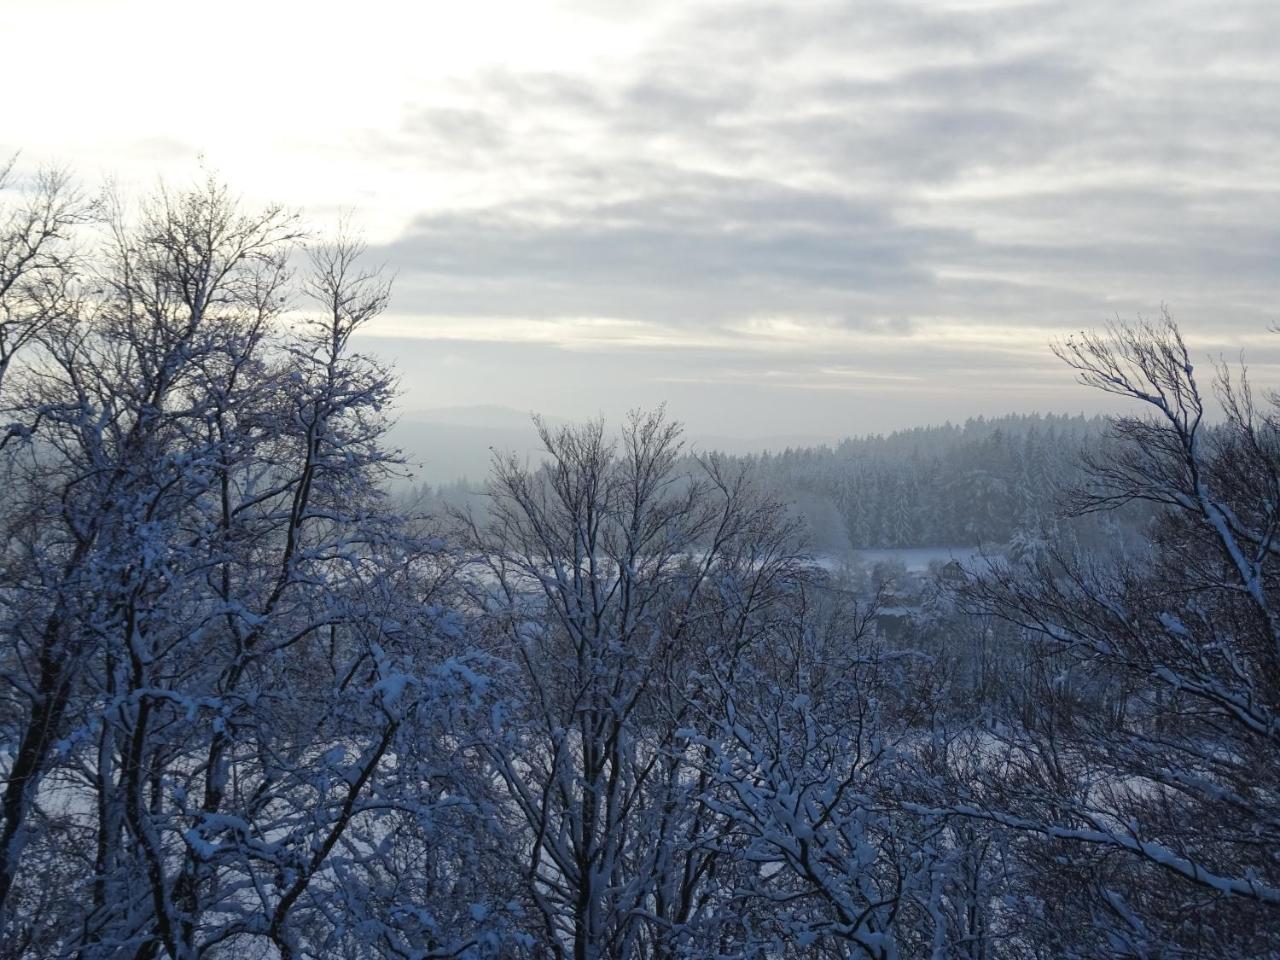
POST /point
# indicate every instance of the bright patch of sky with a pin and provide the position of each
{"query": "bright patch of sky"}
(808, 217)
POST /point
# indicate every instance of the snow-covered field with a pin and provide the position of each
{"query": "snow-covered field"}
(914, 559)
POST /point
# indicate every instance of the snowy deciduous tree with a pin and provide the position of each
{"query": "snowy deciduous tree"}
(603, 576)
(38, 265)
(228, 682)
(1151, 767)
(814, 753)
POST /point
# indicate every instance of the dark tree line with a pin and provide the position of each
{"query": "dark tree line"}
(985, 481)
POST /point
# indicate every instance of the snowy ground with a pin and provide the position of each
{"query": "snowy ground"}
(915, 559)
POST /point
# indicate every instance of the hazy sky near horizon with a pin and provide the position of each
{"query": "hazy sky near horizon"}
(802, 217)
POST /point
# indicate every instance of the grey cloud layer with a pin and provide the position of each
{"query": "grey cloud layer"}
(879, 166)
(697, 248)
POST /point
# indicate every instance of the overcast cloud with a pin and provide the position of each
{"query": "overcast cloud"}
(799, 217)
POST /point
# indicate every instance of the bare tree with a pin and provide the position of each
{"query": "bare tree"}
(38, 263)
(600, 575)
(225, 653)
(1150, 763)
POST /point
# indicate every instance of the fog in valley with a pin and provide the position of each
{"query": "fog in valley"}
(698, 480)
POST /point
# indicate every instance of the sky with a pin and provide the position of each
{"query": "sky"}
(800, 218)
